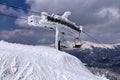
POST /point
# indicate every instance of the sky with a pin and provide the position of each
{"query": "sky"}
(99, 18)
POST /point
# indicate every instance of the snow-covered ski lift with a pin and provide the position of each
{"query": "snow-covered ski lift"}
(52, 22)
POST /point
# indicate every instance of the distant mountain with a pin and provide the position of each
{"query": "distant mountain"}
(93, 54)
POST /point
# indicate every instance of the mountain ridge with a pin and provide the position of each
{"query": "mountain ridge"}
(90, 53)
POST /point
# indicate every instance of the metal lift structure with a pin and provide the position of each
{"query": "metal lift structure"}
(55, 22)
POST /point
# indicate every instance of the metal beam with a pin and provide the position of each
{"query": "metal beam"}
(63, 22)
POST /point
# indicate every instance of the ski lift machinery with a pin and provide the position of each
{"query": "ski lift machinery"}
(55, 22)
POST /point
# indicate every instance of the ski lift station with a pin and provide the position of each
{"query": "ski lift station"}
(59, 23)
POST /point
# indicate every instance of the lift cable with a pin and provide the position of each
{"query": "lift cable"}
(38, 13)
(13, 16)
(94, 38)
(99, 42)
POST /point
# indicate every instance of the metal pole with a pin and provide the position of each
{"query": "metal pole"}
(57, 38)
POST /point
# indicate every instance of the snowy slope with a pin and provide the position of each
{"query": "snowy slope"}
(22, 62)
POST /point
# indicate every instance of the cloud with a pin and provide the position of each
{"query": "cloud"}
(14, 12)
(11, 11)
(27, 36)
(112, 12)
(22, 16)
(22, 21)
(4, 34)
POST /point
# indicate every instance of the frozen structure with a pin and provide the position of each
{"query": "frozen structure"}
(59, 23)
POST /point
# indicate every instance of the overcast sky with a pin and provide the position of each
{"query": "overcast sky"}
(99, 18)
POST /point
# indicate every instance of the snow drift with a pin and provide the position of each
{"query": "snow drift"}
(23, 62)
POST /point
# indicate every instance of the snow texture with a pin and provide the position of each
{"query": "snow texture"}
(23, 62)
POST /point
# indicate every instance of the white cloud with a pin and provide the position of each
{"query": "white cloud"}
(17, 13)
(58, 6)
(26, 36)
(22, 21)
(112, 12)
(9, 10)
(15, 33)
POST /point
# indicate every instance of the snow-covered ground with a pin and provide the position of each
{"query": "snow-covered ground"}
(23, 62)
